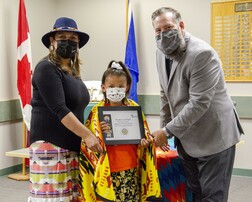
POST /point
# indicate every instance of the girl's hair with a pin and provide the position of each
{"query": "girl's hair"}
(75, 62)
(162, 10)
(118, 68)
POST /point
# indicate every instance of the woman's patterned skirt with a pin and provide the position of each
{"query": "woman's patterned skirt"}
(53, 173)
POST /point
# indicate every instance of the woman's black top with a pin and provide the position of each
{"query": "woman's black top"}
(55, 94)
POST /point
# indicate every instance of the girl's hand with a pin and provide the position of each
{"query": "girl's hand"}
(145, 143)
(104, 126)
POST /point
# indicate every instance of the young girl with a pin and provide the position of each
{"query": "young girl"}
(123, 172)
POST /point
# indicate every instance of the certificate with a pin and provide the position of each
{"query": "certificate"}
(125, 124)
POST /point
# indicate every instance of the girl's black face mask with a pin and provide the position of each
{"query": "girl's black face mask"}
(66, 48)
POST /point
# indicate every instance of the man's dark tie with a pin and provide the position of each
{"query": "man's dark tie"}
(168, 65)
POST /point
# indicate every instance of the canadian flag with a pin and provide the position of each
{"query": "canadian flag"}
(24, 72)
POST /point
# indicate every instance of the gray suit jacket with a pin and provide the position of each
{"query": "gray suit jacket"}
(195, 106)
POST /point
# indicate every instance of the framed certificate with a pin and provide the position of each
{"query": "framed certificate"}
(125, 124)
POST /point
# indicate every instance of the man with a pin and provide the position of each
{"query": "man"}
(195, 107)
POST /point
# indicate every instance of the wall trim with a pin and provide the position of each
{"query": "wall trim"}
(151, 104)
(242, 172)
(10, 170)
(10, 110)
(243, 106)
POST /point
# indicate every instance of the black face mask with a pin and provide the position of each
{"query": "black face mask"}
(66, 48)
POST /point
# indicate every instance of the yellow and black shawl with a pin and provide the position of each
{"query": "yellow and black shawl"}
(95, 176)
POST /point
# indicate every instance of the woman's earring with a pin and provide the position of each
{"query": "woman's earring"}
(51, 47)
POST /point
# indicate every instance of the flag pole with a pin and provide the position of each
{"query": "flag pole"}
(130, 59)
(24, 146)
(127, 19)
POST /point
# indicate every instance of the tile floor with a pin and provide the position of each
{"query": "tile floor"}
(18, 191)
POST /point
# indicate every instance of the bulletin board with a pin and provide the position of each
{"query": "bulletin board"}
(231, 37)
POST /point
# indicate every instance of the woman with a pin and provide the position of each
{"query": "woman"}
(58, 103)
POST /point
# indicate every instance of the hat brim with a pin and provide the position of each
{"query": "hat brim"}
(83, 37)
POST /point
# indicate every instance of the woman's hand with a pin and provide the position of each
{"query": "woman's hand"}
(93, 143)
(71, 122)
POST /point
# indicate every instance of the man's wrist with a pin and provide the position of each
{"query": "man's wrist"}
(168, 135)
(166, 132)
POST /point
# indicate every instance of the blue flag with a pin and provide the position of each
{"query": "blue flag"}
(131, 57)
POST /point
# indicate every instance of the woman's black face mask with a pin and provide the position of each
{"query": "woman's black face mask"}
(66, 48)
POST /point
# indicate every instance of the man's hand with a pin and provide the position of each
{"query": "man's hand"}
(160, 140)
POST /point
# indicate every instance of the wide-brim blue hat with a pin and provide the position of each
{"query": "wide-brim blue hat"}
(65, 24)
